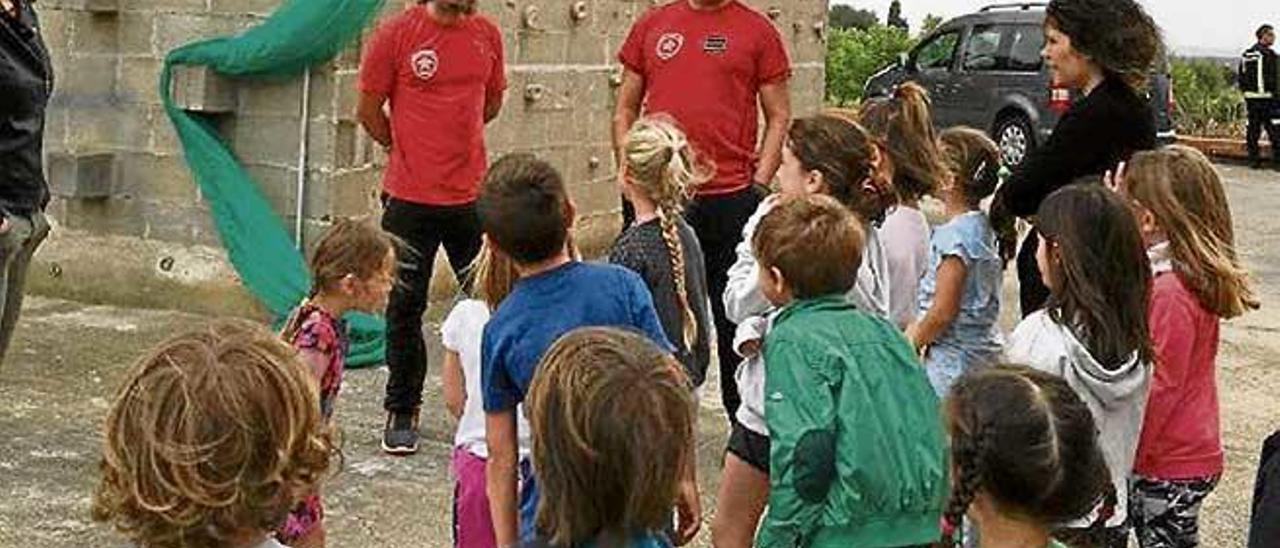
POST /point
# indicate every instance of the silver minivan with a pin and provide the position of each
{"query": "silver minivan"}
(984, 70)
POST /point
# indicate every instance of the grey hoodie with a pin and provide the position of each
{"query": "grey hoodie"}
(1116, 397)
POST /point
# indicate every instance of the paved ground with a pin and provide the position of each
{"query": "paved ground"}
(68, 358)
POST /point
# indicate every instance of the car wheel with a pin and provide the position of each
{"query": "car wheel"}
(1014, 137)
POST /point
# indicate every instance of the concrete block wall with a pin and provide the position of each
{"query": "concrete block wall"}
(151, 241)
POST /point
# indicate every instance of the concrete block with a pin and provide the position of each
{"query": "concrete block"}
(111, 126)
(165, 6)
(55, 29)
(332, 145)
(139, 80)
(243, 7)
(346, 94)
(278, 186)
(541, 47)
(274, 98)
(137, 32)
(176, 29)
(147, 176)
(170, 221)
(56, 129)
(588, 46)
(105, 8)
(200, 89)
(354, 193)
(86, 81)
(111, 217)
(550, 91)
(82, 176)
(266, 140)
(93, 33)
(164, 139)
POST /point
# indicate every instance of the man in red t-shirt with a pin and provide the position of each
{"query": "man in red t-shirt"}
(712, 65)
(440, 68)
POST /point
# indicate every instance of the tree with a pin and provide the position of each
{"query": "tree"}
(854, 55)
(930, 23)
(895, 16)
(847, 17)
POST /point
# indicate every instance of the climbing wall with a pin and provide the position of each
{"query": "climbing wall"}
(133, 228)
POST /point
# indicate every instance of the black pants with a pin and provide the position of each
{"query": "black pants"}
(718, 222)
(1032, 293)
(422, 229)
(1262, 113)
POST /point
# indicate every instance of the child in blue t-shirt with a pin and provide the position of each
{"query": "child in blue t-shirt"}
(960, 292)
(526, 214)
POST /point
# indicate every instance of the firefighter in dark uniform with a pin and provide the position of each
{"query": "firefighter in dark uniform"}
(1259, 83)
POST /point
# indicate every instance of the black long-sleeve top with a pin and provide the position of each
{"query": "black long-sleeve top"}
(1098, 132)
(26, 81)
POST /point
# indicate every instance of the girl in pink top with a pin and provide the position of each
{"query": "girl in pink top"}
(1197, 281)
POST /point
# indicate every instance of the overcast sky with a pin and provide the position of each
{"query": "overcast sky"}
(1190, 26)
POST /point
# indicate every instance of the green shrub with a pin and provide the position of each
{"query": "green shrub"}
(854, 55)
(1209, 104)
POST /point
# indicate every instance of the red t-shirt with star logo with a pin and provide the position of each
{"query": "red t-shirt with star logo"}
(705, 68)
(436, 78)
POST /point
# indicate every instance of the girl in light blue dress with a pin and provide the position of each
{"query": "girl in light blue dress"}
(959, 300)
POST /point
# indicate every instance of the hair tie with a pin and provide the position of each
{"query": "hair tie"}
(982, 168)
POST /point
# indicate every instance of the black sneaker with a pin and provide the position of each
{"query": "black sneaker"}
(400, 437)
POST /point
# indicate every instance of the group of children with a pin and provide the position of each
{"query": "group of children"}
(871, 415)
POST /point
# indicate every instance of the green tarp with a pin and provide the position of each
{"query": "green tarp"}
(297, 36)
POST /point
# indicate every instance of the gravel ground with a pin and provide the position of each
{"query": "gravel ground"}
(67, 359)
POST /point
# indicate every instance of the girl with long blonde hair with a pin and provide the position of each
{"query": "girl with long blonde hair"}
(659, 172)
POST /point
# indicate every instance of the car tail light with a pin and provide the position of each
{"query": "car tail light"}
(1059, 100)
(1173, 100)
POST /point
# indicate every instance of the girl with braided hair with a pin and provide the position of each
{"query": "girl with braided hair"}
(659, 172)
(1024, 458)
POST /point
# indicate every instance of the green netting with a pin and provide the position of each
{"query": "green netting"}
(298, 35)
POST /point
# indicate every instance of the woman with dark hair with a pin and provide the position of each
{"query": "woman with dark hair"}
(1104, 50)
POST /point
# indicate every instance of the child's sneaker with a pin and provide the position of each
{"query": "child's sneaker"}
(400, 436)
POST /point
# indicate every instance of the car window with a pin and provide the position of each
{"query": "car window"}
(982, 51)
(1026, 41)
(938, 53)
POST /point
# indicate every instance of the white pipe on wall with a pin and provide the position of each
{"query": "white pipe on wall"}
(304, 127)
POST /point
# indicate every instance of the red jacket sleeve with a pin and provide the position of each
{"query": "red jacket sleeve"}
(1172, 325)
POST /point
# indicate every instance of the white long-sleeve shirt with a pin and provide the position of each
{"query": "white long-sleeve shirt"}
(746, 306)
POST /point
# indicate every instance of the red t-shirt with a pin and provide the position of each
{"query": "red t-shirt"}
(437, 79)
(705, 69)
(1180, 431)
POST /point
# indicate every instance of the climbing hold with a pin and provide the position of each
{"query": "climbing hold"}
(534, 92)
(529, 19)
(578, 12)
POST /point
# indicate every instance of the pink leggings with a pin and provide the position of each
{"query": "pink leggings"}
(472, 523)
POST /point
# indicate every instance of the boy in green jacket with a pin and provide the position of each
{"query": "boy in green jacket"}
(857, 456)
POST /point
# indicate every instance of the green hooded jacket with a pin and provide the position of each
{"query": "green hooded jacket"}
(858, 453)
